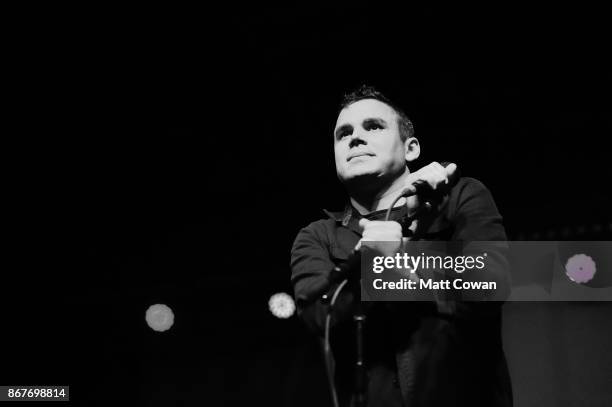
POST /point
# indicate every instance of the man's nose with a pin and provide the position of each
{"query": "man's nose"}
(357, 139)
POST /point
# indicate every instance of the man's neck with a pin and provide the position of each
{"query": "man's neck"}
(384, 197)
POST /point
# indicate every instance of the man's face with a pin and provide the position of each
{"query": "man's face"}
(367, 142)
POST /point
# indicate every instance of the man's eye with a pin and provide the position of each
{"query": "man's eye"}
(373, 126)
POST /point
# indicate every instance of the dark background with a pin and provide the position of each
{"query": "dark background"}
(171, 156)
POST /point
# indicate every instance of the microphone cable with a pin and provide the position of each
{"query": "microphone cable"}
(329, 362)
(424, 207)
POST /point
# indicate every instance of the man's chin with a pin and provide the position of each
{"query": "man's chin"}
(360, 177)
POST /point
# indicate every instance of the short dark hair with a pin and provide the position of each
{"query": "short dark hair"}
(370, 92)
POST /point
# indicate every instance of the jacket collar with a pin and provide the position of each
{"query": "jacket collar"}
(429, 226)
(343, 216)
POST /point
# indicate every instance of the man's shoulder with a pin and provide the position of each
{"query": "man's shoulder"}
(467, 188)
(469, 184)
(470, 195)
(326, 222)
(316, 233)
(326, 228)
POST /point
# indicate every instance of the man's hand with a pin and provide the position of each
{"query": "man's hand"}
(381, 231)
(434, 174)
(385, 233)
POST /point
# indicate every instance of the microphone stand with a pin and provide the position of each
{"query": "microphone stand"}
(342, 272)
(359, 316)
(360, 368)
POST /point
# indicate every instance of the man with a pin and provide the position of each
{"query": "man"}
(416, 353)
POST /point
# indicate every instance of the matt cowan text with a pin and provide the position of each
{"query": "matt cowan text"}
(430, 284)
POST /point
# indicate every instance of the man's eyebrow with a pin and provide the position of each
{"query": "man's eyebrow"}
(342, 128)
(374, 120)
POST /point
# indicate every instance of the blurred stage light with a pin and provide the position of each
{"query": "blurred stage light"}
(281, 305)
(159, 317)
(580, 268)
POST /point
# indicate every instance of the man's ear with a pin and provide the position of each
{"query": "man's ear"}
(412, 149)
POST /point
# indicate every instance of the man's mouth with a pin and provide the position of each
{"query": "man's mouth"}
(356, 155)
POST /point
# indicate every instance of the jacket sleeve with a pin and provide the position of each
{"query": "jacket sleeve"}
(311, 264)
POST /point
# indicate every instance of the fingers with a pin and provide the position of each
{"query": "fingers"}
(381, 231)
(450, 170)
(435, 174)
(363, 222)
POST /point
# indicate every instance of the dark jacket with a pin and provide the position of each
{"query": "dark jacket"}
(417, 353)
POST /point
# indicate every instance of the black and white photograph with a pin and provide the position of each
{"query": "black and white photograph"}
(360, 204)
